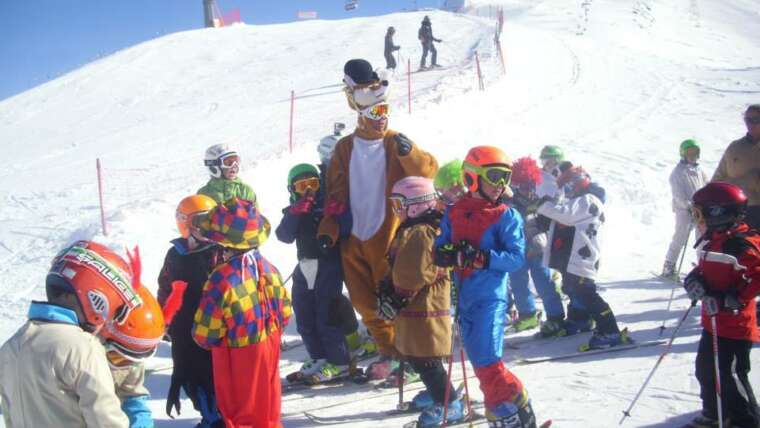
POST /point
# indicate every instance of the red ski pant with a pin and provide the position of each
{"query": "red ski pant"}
(247, 384)
(498, 384)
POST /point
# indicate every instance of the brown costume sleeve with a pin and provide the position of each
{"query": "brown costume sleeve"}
(337, 186)
(413, 267)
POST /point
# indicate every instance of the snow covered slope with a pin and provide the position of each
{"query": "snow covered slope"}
(618, 84)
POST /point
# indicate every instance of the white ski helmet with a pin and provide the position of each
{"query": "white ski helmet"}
(214, 158)
(327, 144)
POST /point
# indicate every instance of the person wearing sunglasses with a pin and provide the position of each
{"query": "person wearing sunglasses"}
(484, 241)
(364, 166)
(317, 280)
(128, 345)
(740, 164)
(223, 163)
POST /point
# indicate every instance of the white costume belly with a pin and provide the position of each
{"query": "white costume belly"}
(366, 172)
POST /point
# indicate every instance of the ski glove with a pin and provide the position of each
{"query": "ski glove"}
(334, 208)
(389, 303)
(403, 145)
(445, 256)
(469, 257)
(694, 285)
(303, 205)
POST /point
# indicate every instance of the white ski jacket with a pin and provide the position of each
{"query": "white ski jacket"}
(685, 180)
(54, 374)
(574, 235)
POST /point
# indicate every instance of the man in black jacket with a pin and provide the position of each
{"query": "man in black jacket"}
(425, 34)
(390, 61)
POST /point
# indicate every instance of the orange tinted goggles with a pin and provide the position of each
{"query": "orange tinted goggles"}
(376, 112)
(301, 186)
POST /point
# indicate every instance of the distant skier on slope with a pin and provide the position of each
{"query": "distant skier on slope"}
(390, 61)
(574, 234)
(483, 240)
(687, 177)
(425, 35)
(186, 268)
(726, 280)
(416, 296)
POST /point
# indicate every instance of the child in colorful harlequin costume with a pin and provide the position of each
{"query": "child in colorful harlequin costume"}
(362, 172)
(242, 313)
(317, 279)
(416, 296)
(526, 176)
(186, 268)
(484, 241)
(726, 280)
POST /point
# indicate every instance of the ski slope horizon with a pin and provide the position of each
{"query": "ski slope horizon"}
(617, 84)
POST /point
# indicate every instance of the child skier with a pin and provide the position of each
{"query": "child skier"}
(484, 240)
(449, 184)
(54, 371)
(726, 280)
(128, 345)
(416, 295)
(574, 251)
(224, 167)
(551, 157)
(687, 177)
(186, 268)
(317, 279)
(243, 310)
(526, 176)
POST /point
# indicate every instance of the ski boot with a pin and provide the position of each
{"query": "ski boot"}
(601, 340)
(578, 326)
(703, 421)
(432, 416)
(366, 348)
(381, 368)
(553, 328)
(422, 400)
(512, 414)
(309, 368)
(327, 373)
(526, 322)
(395, 377)
(669, 271)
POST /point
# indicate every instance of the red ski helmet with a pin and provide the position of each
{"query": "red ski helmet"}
(719, 204)
(479, 157)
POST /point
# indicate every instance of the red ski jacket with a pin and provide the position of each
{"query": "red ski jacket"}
(730, 263)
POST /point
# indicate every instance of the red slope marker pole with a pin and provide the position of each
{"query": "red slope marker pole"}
(290, 133)
(409, 83)
(480, 76)
(100, 196)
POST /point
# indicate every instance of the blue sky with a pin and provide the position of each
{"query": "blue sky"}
(44, 39)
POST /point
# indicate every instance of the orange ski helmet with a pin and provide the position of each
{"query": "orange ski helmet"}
(479, 157)
(188, 207)
(137, 338)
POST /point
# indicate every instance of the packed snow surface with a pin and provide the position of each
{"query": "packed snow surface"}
(617, 84)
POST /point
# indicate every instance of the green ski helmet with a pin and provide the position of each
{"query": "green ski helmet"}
(686, 145)
(553, 152)
(301, 169)
(449, 175)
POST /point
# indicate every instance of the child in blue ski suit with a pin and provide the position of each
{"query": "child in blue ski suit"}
(317, 280)
(484, 240)
(526, 175)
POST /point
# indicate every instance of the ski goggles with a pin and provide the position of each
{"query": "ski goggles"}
(376, 112)
(451, 195)
(400, 202)
(497, 175)
(304, 184)
(230, 161)
(119, 356)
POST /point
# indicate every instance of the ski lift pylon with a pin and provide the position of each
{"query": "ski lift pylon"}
(351, 4)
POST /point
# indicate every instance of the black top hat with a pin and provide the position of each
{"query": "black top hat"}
(360, 71)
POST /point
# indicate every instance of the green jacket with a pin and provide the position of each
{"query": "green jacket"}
(221, 190)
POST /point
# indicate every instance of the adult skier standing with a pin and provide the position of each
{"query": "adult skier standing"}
(425, 35)
(390, 61)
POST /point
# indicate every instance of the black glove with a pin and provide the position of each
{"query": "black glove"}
(731, 301)
(445, 256)
(472, 258)
(403, 144)
(325, 243)
(388, 302)
(694, 284)
(172, 397)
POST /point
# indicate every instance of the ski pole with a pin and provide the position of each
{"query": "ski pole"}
(718, 398)
(466, 388)
(678, 276)
(402, 373)
(627, 412)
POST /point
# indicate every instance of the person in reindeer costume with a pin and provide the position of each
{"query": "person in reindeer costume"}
(363, 169)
